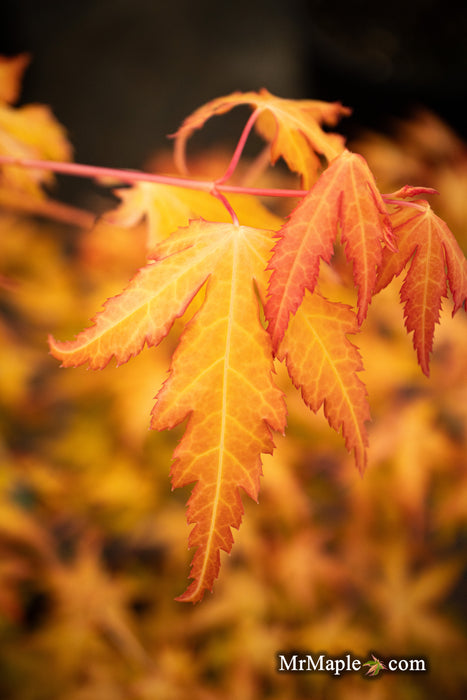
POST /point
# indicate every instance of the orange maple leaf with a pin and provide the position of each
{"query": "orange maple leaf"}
(221, 374)
(323, 363)
(293, 127)
(436, 259)
(346, 195)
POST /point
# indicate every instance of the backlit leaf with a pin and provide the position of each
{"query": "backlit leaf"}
(30, 131)
(293, 127)
(344, 196)
(435, 259)
(221, 375)
(323, 363)
(145, 311)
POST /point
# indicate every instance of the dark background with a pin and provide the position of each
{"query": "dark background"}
(121, 74)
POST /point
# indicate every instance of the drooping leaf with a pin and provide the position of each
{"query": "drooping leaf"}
(344, 196)
(293, 127)
(436, 259)
(221, 376)
(324, 364)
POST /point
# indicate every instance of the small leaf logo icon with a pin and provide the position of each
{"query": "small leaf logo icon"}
(375, 666)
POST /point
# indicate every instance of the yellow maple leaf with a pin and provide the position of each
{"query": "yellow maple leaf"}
(30, 131)
(293, 127)
(323, 363)
(221, 374)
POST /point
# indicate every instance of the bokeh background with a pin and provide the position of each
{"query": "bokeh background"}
(92, 540)
(121, 74)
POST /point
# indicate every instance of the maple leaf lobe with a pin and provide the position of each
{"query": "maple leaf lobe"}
(345, 196)
(293, 127)
(435, 258)
(324, 365)
(221, 377)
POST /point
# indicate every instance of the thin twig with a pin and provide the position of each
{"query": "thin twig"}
(131, 176)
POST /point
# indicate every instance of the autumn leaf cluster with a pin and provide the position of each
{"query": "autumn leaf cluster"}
(221, 374)
(92, 541)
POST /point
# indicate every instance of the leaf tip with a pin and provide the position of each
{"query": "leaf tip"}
(425, 368)
(54, 347)
(193, 594)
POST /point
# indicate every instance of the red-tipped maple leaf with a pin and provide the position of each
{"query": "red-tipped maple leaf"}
(29, 131)
(436, 258)
(221, 374)
(345, 195)
(323, 363)
(293, 127)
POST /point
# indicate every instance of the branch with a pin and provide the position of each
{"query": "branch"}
(131, 176)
